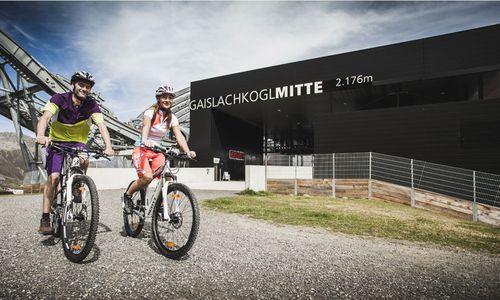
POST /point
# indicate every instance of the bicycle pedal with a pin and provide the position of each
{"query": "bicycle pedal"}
(170, 244)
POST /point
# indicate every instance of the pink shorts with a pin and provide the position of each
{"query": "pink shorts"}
(147, 161)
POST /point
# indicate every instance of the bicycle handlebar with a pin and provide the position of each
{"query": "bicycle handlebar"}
(169, 153)
(98, 153)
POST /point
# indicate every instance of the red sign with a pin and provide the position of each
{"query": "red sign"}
(237, 155)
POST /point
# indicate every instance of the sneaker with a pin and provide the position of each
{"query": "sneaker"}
(45, 227)
(127, 203)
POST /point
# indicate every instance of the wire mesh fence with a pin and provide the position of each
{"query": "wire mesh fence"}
(460, 183)
(391, 169)
(446, 180)
(487, 187)
(352, 165)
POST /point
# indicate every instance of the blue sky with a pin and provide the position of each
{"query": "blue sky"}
(133, 47)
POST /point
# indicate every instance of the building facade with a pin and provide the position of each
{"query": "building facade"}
(435, 99)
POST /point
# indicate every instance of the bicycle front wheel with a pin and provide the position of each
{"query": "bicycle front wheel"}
(174, 235)
(79, 228)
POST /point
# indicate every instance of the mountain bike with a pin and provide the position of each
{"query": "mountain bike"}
(173, 208)
(74, 214)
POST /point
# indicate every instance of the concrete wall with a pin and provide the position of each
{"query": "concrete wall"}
(284, 172)
(117, 178)
(255, 178)
(255, 175)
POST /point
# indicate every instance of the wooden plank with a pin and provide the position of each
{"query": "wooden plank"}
(488, 214)
(281, 186)
(427, 196)
(393, 193)
(432, 206)
(386, 197)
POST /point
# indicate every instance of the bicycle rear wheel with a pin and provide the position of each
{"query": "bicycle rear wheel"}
(174, 238)
(134, 221)
(79, 229)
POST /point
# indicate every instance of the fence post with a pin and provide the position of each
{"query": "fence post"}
(296, 163)
(266, 157)
(412, 186)
(474, 204)
(333, 175)
(370, 179)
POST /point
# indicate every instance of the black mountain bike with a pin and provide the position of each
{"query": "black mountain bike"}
(173, 208)
(75, 207)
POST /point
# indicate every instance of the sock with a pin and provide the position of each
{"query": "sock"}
(45, 216)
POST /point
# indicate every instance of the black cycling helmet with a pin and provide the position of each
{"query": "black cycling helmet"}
(84, 76)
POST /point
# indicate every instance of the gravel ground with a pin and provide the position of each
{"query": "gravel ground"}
(234, 257)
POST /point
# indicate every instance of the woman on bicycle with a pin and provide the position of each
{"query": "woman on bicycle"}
(158, 121)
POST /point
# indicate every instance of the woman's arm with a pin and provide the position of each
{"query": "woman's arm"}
(146, 125)
(182, 142)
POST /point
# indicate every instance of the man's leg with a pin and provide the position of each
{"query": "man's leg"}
(84, 162)
(53, 165)
(48, 195)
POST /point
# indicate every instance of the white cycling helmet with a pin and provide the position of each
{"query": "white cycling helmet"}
(166, 89)
(84, 76)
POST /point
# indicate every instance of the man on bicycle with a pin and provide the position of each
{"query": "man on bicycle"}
(71, 115)
(158, 120)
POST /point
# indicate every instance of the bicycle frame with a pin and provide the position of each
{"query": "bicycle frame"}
(65, 180)
(68, 181)
(71, 168)
(161, 187)
(175, 224)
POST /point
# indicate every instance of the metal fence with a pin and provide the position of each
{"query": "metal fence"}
(465, 184)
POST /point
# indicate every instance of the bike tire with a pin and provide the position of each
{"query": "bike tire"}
(164, 242)
(55, 215)
(73, 253)
(132, 222)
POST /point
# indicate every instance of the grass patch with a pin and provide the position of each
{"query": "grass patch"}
(365, 218)
(250, 192)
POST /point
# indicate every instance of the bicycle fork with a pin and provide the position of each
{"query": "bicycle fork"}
(68, 196)
(161, 187)
(67, 192)
(164, 192)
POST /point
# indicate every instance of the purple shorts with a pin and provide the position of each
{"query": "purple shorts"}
(55, 157)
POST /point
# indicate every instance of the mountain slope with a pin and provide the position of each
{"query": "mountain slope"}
(11, 161)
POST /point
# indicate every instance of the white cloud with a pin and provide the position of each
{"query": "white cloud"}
(134, 48)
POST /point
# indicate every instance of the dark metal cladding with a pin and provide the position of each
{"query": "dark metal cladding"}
(435, 99)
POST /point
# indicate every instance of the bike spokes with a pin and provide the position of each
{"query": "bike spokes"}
(77, 226)
(80, 219)
(175, 229)
(175, 232)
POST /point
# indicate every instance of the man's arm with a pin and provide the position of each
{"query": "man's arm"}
(98, 119)
(105, 136)
(41, 126)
